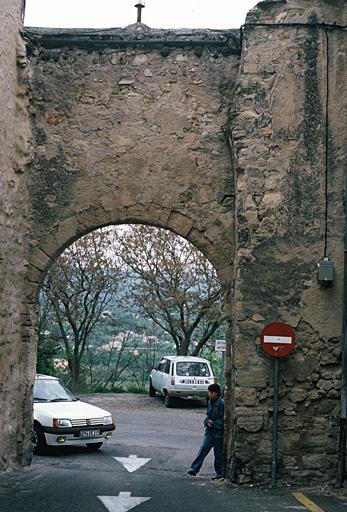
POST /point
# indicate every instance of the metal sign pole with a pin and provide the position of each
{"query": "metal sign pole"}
(277, 340)
(276, 379)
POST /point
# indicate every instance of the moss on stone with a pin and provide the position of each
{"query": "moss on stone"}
(312, 106)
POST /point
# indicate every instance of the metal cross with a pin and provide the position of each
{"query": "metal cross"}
(140, 5)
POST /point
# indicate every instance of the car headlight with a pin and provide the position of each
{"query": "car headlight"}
(107, 420)
(59, 423)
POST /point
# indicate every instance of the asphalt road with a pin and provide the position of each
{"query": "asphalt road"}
(74, 480)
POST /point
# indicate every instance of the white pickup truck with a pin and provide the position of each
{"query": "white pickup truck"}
(181, 377)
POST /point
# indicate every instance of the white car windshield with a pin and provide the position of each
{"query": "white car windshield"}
(192, 369)
(50, 390)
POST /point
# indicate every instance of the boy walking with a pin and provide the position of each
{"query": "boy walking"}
(214, 431)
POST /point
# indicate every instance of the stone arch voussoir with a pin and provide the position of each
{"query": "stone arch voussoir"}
(208, 238)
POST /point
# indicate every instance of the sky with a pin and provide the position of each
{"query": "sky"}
(120, 13)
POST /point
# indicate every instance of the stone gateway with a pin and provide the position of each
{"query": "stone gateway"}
(234, 140)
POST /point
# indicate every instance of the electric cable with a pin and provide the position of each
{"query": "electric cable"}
(327, 92)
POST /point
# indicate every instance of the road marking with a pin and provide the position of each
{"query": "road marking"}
(121, 503)
(307, 502)
(132, 463)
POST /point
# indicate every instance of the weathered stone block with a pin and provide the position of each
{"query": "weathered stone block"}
(249, 421)
(311, 461)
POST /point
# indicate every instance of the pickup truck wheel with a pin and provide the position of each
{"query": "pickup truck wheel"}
(168, 400)
(38, 440)
(92, 447)
(151, 390)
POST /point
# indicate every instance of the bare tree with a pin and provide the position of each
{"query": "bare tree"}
(147, 355)
(173, 284)
(121, 357)
(79, 286)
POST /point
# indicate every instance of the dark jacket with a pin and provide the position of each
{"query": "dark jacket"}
(215, 412)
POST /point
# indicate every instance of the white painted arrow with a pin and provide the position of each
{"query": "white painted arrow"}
(132, 463)
(121, 503)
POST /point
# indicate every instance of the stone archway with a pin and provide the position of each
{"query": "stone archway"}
(127, 130)
(41, 262)
(219, 251)
(132, 132)
(140, 144)
(238, 146)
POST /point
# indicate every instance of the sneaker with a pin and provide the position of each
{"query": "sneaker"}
(191, 472)
(217, 477)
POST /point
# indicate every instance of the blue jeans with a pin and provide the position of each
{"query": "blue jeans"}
(208, 443)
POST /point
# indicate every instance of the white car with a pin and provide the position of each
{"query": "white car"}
(181, 377)
(61, 419)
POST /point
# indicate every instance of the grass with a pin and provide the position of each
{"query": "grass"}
(119, 389)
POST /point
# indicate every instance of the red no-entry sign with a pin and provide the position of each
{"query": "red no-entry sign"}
(277, 339)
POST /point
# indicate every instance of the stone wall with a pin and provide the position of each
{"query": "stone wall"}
(289, 182)
(16, 360)
(129, 127)
(244, 159)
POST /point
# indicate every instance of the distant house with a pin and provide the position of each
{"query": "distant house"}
(60, 364)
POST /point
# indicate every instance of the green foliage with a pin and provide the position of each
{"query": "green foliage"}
(47, 350)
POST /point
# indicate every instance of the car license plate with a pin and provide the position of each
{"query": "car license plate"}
(89, 433)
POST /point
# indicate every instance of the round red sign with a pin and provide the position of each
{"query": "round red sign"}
(277, 339)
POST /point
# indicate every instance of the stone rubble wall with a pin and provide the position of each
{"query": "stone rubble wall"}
(17, 357)
(170, 128)
(130, 130)
(277, 130)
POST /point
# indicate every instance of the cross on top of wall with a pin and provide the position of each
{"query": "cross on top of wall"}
(139, 5)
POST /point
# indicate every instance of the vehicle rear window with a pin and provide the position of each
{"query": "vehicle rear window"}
(192, 369)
